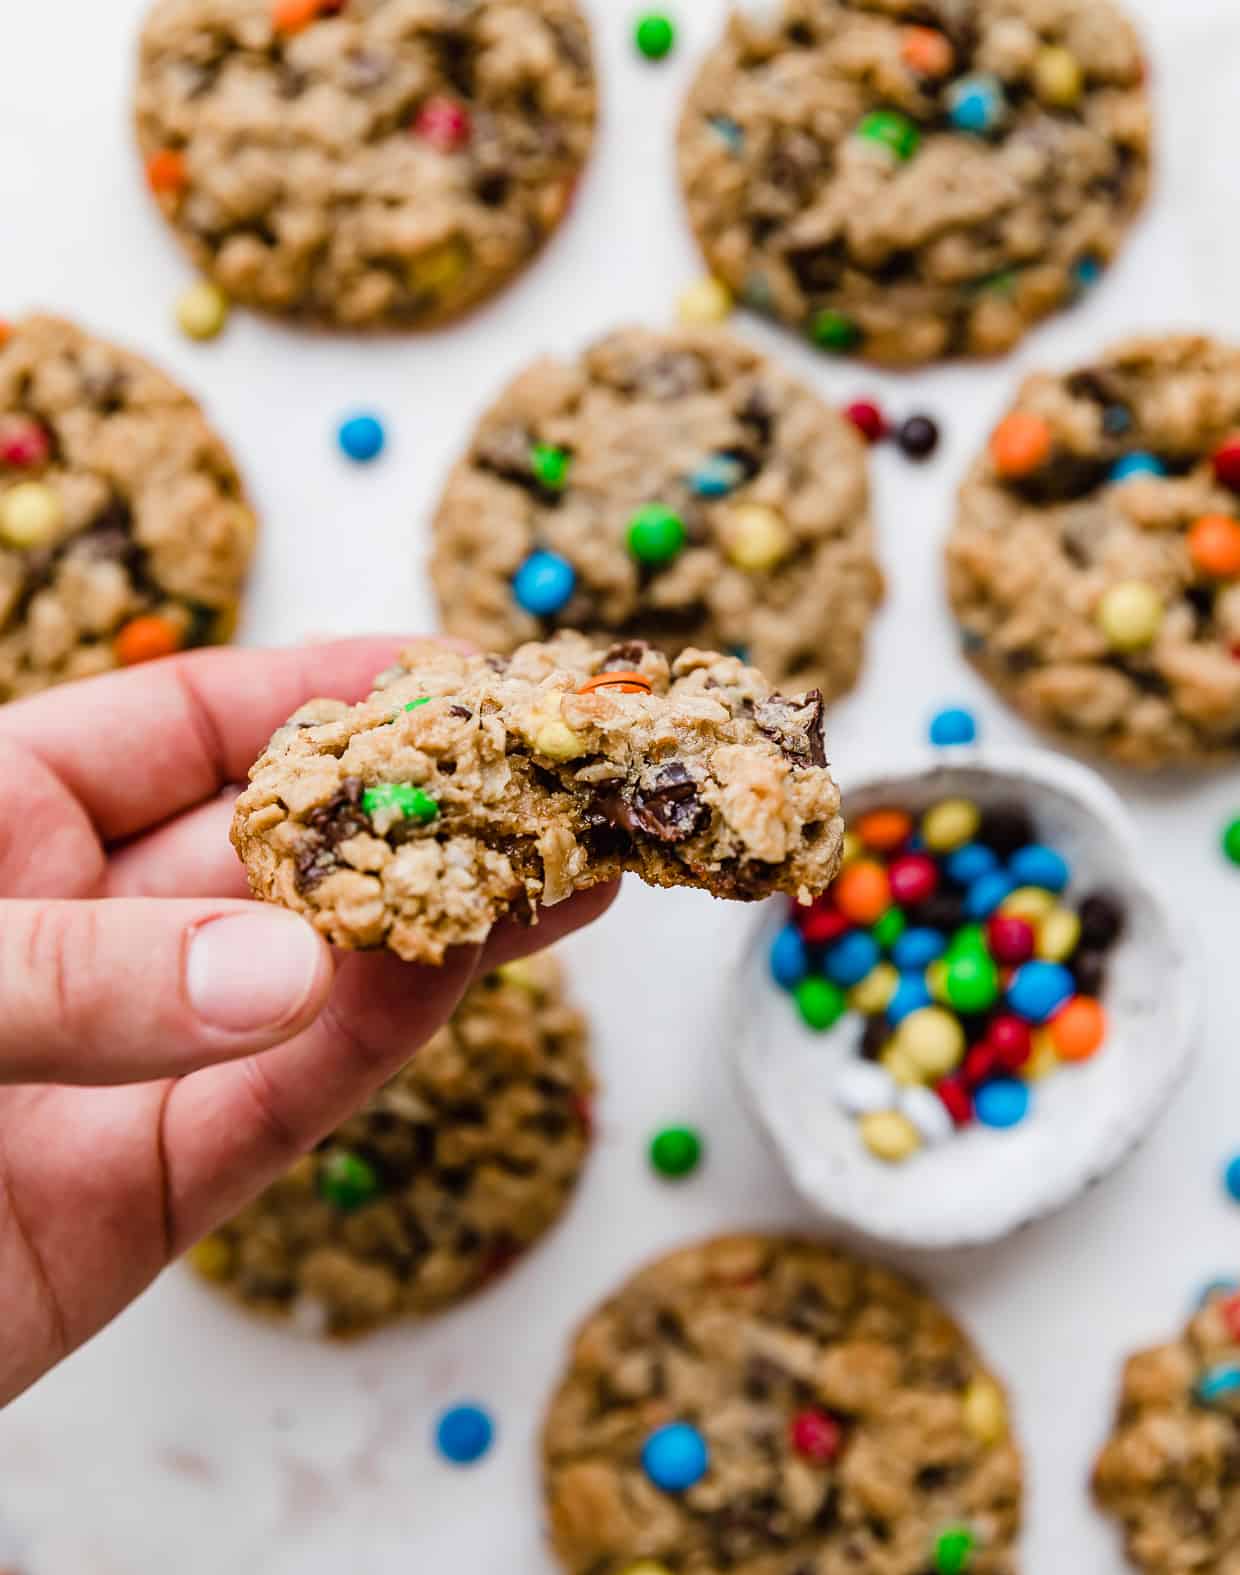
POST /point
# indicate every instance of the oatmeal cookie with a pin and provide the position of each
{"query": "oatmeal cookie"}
(1170, 1472)
(365, 163)
(848, 1424)
(774, 556)
(1094, 566)
(124, 528)
(450, 1173)
(910, 179)
(468, 787)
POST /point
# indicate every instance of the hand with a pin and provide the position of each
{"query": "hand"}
(168, 1047)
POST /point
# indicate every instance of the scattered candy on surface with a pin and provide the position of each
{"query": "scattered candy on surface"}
(676, 1152)
(361, 437)
(834, 331)
(705, 303)
(977, 103)
(953, 726)
(464, 1434)
(757, 537)
(655, 35)
(1231, 840)
(675, 1457)
(868, 419)
(544, 584)
(30, 514)
(954, 938)
(816, 1436)
(1231, 1178)
(202, 311)
(918, 437)
(1020, 444)
(1138, 463)
(927, 51)
(146, 639)
(889, 129)
(1130, 615)
(656, 535)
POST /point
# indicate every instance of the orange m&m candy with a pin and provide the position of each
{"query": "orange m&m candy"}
(1078, 1030)
(627, 682)
(862, 892)
(885, 830)
(927, 51)
(6, 332)
(146, 639)
(290, 16)
(1214, 546)
(1020, 443)
(166, 174)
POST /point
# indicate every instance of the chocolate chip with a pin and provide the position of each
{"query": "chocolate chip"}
(456, 55)
(795, 725)
(491, 187)
(1064, 477)
(624, 657)
(326, 827)
(1102, 920)
(817, 268)
(462, 711)
(669, 807)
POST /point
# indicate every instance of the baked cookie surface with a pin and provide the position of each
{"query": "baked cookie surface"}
(850, 1425)
(771, 552)
(469, 787)
(124, 528)
(1170, 1472)
(1094, 566)
(450, 1173)
(365, 163)
(905, 181)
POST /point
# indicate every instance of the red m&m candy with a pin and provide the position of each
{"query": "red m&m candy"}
(23, 443)
(816, 1436)
(957, 1100)
(821, 923)
(445, 124)
(1230, 1310)
(1227, 462)
(914, 878)
(1012, 1042)
(1011, 941)
(868, 419)
(981, 1064)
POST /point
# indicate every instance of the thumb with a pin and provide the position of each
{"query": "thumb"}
(126, 991)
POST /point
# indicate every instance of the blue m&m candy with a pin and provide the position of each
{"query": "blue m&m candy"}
(1138, 463)
(1231, 1178)
(361, 438)
(970, 863)
(987, 892)
(977, 103)
(789, 957)
(850, 959)
(1039, 990)
(544, 583)
(953, 726)
(1219, 1386)
(912, 993)
(717, 476)
(1003, 1103)
(675, 1457)
(916, 949)
(464, 1434)
(1038, 865)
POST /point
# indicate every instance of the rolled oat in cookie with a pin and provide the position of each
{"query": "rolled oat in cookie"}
(1094, 566)
(774, 555)
(1170, 1472)
(906, 180)
(365, 163)
(850, 1427)
(451, 1172)
(470, 787)
(125, 533)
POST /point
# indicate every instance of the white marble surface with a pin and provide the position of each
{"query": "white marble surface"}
(187, 1438)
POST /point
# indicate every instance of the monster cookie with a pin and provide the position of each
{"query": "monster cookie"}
(124, 529)
(452, 1171)
(670, 487)
(468, 787)
(365, 163)
(774, 1407)
(1095, 563)
(916, 178)
(1170, 1472)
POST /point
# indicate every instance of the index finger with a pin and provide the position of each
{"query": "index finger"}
(139, 746)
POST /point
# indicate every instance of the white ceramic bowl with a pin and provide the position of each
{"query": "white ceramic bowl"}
(981, 1184)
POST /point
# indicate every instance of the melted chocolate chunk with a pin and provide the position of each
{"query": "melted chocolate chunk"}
(818, 268)
(667, 807)
(795, 725)
(328, 826)
(1064, 477)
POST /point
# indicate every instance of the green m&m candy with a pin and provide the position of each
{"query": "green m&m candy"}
(655, 35)
(550, 466)
(348, 1181)
(953, 1550)
(835, 331)
(891, 130)
(656, 534)
(889, 928)
(676, 1152)
(972, 982)
(413, 803)
(820, 1002)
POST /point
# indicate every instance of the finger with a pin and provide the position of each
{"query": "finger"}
(230, 1130)
(131, 990)
(137, 747)
(191, 856)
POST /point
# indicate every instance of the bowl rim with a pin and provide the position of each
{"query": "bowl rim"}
(1025, 769)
